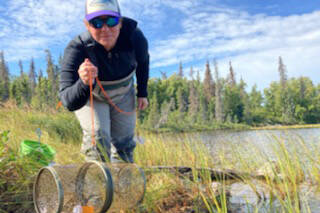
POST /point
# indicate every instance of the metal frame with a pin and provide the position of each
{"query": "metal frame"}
(108, 180)
(58, 185)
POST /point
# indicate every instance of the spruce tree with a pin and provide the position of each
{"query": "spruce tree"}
(286, 101)
(32, 77)
(283, 73)
(208, 83)
(193, 103)
(191, 73)
(153, 116)
(180, 73)
(52, 78)
(182, 100)
(166, 109)
(231, 76)
(20, 67)
(218, 98)
(163, 75)
(4, 79)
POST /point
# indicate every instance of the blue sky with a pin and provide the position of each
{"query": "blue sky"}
(252, 34)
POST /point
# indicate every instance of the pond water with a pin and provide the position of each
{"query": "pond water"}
(262, 137)
(242, 196)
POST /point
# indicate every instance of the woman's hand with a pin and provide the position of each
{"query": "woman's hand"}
(85, 69)
(142, 103)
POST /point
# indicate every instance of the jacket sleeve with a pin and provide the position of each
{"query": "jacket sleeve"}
(73, 93)
(140, 45)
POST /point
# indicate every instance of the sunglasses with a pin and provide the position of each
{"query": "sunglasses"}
(110, 21)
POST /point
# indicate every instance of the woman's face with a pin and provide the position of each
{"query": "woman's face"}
(106, 36)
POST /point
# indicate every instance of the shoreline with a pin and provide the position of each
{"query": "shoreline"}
(281, 127)
(229, 128)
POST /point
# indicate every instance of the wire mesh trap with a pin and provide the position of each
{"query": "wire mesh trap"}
(102, 187)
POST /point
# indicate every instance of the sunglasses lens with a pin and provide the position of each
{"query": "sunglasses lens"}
(97, 23)
(112, 21)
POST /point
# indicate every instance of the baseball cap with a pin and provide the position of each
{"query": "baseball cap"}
(95, 8)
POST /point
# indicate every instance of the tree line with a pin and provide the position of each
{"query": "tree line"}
(183, 100)
(30, 88)
(187, 102)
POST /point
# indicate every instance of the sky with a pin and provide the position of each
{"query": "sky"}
(252, 34)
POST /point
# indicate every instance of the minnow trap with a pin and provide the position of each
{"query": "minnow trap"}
(92, 187)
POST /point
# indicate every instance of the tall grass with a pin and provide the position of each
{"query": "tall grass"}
(17, 173)
(287, 167)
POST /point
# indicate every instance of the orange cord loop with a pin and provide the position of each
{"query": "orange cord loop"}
(92, 107)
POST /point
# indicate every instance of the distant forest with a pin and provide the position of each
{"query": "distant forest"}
(183, 101)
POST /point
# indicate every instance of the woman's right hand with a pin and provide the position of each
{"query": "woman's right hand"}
(85, 69)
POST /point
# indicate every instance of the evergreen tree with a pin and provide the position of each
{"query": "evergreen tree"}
(180, 73)
(20, 90)
(32, 77)
(231, 76)
(153, 116)
(21, 67)
(52, 78)
(233, 104)
(283, 73)
(166, 109)
(208, 84)
(4, 79)
(254, 113)
(203, 117)
(41, 97)
(191, 73)
(218, 98)
(40, 74)
(287, 105)
(272, 103)
(163, 75)
(198, 79)
(193, 103)
(182, 100)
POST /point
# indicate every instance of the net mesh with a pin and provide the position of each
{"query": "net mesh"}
(46, 198)
(60, 189)
(128, 185)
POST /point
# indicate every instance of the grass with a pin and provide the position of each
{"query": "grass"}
(286, 170)
(279, 127)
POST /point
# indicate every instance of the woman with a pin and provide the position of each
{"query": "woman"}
(112, 50)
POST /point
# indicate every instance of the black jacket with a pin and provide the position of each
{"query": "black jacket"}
(129, 53)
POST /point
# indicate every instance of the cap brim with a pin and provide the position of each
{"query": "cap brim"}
(102, 13)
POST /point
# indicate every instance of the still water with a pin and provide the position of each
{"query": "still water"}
(242, 197)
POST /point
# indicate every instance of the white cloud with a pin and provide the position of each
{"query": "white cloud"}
(184, 30)
(252, 42)
(31, 26)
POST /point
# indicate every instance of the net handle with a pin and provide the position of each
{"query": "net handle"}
(57, 180)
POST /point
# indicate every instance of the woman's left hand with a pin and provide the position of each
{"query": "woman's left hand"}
(142, 103)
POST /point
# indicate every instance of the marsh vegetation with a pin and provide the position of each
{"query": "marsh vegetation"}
(291, 166)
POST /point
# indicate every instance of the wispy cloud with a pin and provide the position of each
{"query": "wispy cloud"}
(252, 42)
(184, 30)
(30, 26)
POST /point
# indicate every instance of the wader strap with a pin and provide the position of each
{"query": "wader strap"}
(111, 85)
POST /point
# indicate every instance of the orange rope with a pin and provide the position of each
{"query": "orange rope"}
(92, 112)
(110, 100)
(59, 104)
(92, 108)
